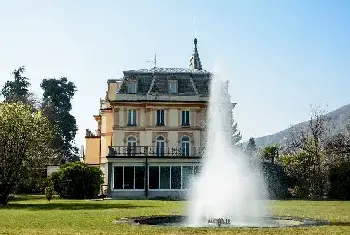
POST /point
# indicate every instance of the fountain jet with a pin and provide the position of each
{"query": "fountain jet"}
(230, 185)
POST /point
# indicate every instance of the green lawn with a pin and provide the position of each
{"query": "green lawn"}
(34, 215)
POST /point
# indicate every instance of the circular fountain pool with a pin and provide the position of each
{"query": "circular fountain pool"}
(266, 222)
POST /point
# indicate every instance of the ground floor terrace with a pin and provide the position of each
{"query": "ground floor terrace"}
(150, 172)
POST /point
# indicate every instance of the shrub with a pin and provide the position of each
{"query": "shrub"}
(277, 181)
(77, 180)
(49, 190)
(339, 178)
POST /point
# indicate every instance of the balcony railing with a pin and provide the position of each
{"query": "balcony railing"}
(153, 151)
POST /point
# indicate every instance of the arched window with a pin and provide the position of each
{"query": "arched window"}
(131, 146)
(185, 146)
(160, 145)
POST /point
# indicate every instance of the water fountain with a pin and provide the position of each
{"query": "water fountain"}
(230, 185)
(229, 192)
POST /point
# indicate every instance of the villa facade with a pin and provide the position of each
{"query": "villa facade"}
(151, 131)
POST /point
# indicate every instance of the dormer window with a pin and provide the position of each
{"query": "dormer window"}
(172, 87)
(132, 87)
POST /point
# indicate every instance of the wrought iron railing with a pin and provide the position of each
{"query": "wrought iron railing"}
(154, 151)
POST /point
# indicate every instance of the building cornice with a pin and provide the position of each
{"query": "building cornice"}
(159, 98)
(157, 128)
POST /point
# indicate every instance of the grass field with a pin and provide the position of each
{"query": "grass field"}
(34, 215)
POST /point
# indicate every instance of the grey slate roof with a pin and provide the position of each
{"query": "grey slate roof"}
(191, 82)
(155, 81)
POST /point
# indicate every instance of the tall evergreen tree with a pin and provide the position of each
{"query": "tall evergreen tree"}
(251, 148)
(56, 105)
(18, 89)
(236, 134)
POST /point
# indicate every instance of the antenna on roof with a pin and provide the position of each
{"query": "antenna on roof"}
(154, 61)
(194, 24)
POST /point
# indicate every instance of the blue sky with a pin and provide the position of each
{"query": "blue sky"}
(280, 56)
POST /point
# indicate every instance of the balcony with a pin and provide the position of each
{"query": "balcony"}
(154, 152)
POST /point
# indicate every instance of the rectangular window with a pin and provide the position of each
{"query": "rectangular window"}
(160, 118)
(187, 173)
(153, 177)
(132, 87)
(131, 151)
(139, 177)
(165, 177)
(128, 177)
(160, 148)
(176, 177)
(118, 177)
(131, 117)
(185, 148)
(172, 87)
(185, 118)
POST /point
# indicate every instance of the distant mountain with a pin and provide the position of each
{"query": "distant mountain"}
(338, 120)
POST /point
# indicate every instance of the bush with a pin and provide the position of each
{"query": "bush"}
(277, 182)
(77, 180)
(49, 190)
(339, 178)
(34, 182)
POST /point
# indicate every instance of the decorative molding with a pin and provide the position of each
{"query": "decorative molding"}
(103, 111)
(189, 134)
(133, 134)
(163, 134)
(107, 134)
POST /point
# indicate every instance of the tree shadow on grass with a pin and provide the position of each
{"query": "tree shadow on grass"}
(70, 206)
(339, 223)
(26, 197)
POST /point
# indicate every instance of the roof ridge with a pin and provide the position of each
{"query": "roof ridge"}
(152, 84)
(194, 86)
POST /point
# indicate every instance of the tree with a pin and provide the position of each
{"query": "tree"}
(56, 105)
(236, 134)
(300, 166)
(276, 180)
(340, 182)
(24, 141)
(310, 142)
(18, 89)
(338, 148)
(250, 149)
(270, 154)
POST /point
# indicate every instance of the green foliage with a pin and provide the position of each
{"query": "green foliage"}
(57, 97)
(339, 178)
(24, 141)
(270, 153)
(17, 90)
(306, 166)
(236, 134)
(297, 166)
(49, 190)
(251, 148)
(276, 179)
(35, 182)
(77, 180)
